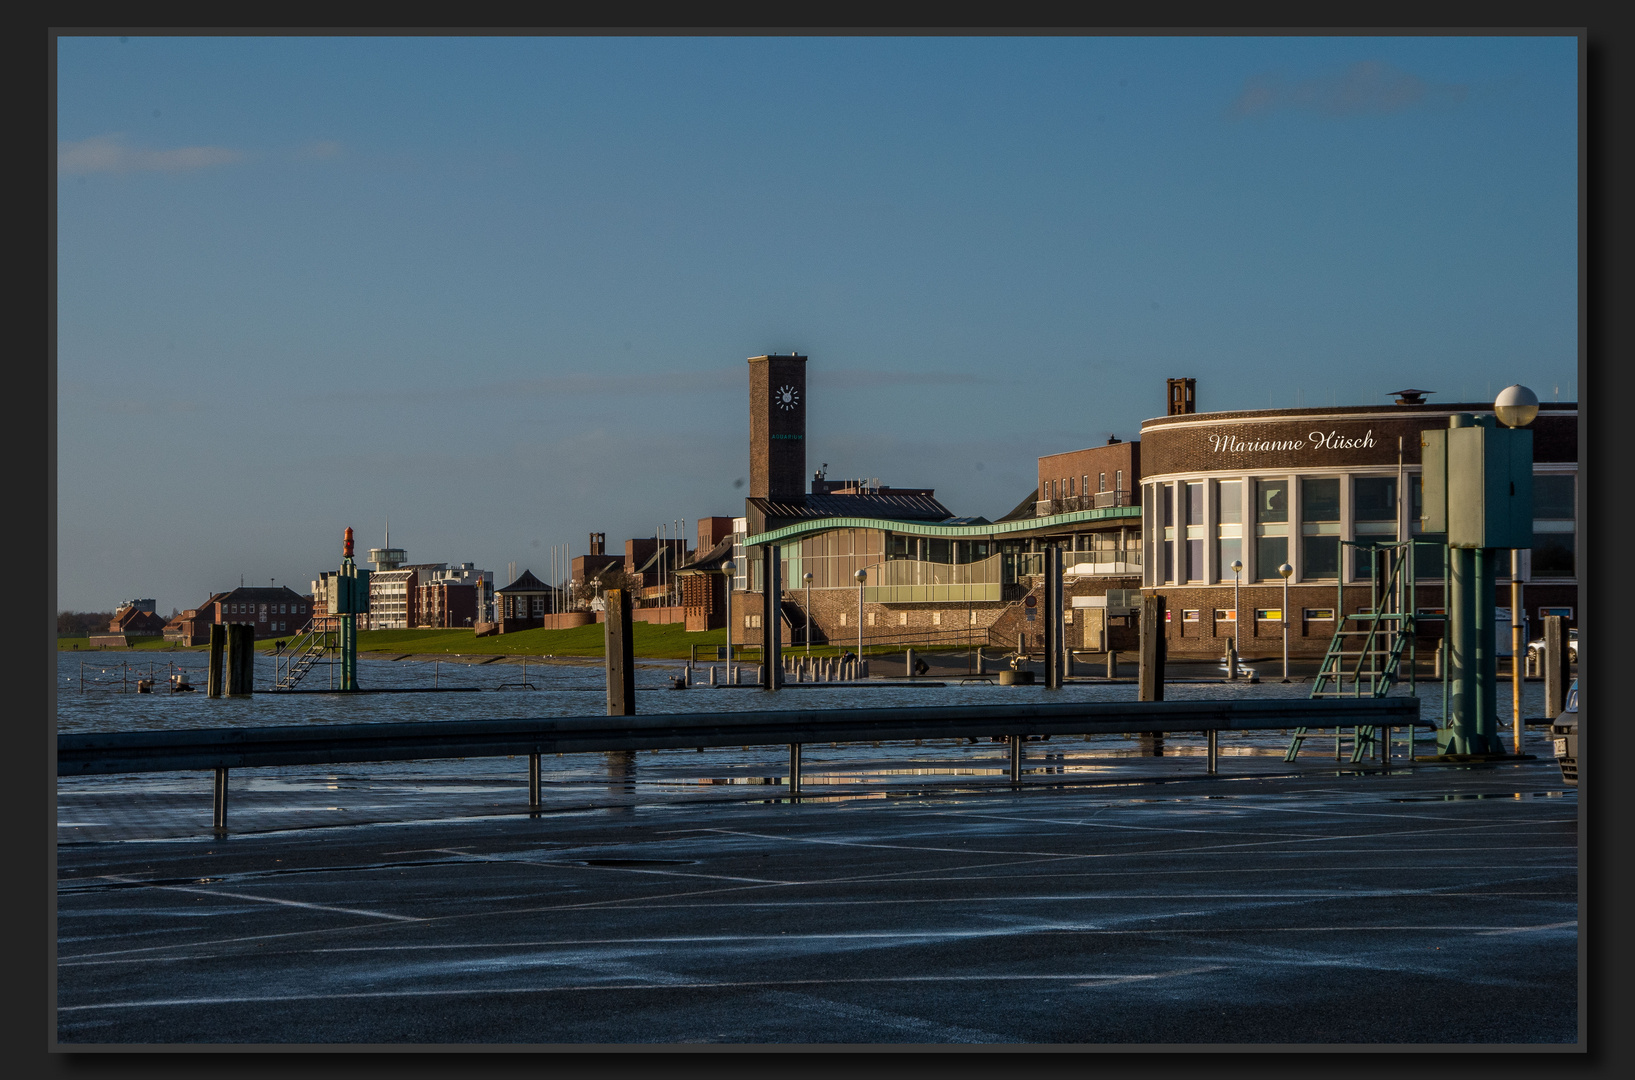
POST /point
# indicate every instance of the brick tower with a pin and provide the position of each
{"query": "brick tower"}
(777, 428)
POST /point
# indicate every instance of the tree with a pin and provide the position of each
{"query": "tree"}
(77, 623)
(586, 588)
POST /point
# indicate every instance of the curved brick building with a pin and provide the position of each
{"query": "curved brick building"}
(1266, 487)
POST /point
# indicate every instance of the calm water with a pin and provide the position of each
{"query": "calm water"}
(112, 807)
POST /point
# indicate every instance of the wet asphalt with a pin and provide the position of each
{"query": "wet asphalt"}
(1436, 905)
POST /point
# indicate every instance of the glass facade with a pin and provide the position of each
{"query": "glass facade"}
(1554, 531)
(1167, 496)
(1320, 528)
(1229, 530)
(1271, 527)
(1373, 517)
(1195, 532)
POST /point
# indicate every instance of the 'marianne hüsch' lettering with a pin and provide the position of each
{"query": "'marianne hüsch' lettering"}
(1316, 440)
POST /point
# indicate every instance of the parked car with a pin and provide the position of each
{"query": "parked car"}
(1535, 648)
(1564, 731)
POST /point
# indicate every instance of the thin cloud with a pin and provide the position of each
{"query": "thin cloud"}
(1365, 88)
(317, 151)
(110, 154)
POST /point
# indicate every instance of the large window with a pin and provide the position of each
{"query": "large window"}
(1229, 531)
(1167, 495)
(1553, 528)
(1195, 531)
(1271, 527)
(1373, 517)
(1320, 529)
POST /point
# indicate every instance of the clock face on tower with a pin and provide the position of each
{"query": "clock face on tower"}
(787, 397)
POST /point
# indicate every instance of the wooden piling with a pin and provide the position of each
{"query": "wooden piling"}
(215, 681)
(620, 658)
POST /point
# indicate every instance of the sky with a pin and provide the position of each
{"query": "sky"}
(499, 291)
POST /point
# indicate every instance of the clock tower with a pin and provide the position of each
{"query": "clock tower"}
(777, 428)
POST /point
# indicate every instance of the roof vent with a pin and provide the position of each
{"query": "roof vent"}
(1411, 397)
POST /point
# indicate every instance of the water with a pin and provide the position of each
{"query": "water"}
(141, 805)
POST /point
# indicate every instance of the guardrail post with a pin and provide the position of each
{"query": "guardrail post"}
(214, 683)
(219, 812)
(794, 768)
(619, 647)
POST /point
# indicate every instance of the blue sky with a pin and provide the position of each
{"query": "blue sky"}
(501, 290)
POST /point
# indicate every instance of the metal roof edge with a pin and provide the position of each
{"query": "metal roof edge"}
(917, 528)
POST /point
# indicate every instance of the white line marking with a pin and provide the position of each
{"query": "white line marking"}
(267, 899)
(1529, 929)
(1081, 978)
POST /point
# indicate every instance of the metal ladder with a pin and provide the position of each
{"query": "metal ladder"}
(310, 647)
(1369, 652)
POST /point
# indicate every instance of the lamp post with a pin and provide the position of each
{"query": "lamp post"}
(807, 577)
(726, 575)
(1516, 406)
(1285, 571)
(1237, 608)
(861, 576)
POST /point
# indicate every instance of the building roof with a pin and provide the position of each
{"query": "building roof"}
(255, 594)
(710, 561)
(527, 583)
(896, 507)
(664, 555)
(1025, 508)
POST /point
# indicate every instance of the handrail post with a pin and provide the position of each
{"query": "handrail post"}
(533, 781)
(1213, 749)
(794, 768)
(219, 809)
(1016, 758)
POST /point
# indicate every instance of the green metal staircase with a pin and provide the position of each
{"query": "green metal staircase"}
(315, 642)
(1368, 648)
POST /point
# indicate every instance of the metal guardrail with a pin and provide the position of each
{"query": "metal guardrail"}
(258, 747)
(223, 749)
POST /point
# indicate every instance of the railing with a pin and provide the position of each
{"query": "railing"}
(312, 645)
(222, 749)
(1099, 500)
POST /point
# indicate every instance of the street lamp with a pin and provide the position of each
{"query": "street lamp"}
(807, 577)
(1516, 406)
(1285, 571)
(1237, 608)
(861, 576)
(726, 575)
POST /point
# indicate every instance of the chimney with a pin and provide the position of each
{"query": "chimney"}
(1183, 396)
(598, 542)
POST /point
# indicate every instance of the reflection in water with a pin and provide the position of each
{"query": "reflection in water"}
(621, 772)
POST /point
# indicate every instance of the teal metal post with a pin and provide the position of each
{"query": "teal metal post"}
(351, 597)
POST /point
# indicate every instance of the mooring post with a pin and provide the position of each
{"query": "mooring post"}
(1151, 676)
(240, 660)
(1557, 669)
(214, 681)
(533, 781)
(620, 654)
(794, 768)
(219, 813)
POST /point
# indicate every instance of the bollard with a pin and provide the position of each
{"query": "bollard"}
(1436, 657)
(908, 664)
(862, 667)
(1112, 663)
(1231, 659)
(712, 674)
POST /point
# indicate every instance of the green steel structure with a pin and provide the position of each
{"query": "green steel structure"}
(991, 530)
